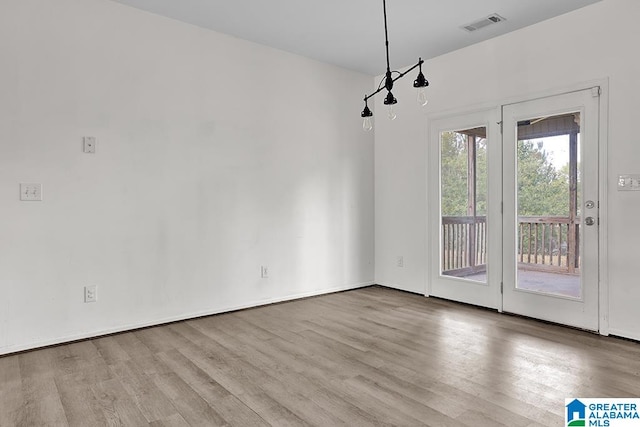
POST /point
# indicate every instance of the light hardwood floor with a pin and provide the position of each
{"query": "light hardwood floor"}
(372, 356)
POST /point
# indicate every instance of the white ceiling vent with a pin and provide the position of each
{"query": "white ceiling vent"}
(484, 22)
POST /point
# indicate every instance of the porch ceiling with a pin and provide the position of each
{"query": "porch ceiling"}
(538, 127)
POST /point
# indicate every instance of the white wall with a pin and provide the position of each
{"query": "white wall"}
(592, 43)
(215, 156)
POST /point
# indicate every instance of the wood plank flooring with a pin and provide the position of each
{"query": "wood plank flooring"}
(372, 356)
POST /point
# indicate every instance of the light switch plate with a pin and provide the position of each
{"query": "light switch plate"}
(91, 293)
(89, 144)
(629, 182)
(30, 192)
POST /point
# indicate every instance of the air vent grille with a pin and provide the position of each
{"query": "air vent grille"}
(484, 22)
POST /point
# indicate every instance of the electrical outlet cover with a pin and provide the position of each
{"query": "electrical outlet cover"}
(89, 144)
(31, 192)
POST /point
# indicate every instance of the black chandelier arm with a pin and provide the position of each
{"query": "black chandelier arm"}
(400, 75)
(419, 63)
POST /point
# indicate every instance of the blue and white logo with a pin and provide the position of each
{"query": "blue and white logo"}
(612, 412)
(576, 411)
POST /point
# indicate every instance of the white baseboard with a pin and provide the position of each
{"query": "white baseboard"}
(402, 288)
(633, 335)
(155, 322)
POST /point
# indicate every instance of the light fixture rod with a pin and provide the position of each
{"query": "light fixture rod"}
(380, 89)
(386, 34)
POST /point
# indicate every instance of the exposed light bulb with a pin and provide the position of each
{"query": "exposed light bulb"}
(391, 112)
(367, 124)
(422, 97)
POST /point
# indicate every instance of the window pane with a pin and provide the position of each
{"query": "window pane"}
(463, 203)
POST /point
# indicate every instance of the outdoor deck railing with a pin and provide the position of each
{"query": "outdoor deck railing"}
(464, 245)
(549, 243)
(544, 243)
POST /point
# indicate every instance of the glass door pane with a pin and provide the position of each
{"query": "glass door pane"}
(463, 204)
(548, 200)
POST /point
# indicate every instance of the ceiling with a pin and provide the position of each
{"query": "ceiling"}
(350, 33)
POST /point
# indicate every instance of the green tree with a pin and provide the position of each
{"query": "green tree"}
(542, 189)
(454, 171)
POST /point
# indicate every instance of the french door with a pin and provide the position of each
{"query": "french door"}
(514, 208)
(550, 184)
(465, 222)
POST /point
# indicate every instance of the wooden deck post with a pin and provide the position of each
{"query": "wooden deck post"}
(573, 203)
(471, 196)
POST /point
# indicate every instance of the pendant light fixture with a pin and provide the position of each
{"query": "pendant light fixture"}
(419, 83)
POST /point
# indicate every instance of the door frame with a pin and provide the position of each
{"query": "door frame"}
(603, 137)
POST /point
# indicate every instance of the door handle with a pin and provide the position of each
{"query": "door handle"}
(589, 220)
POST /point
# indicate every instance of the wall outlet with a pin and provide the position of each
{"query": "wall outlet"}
(264, 272)
(31, 192)
(91, 293)
(89, 144)
(400, 261)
